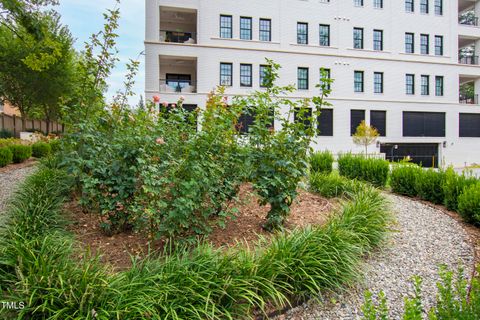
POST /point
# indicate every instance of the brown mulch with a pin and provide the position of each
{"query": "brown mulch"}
(244, 227)
(15, 166)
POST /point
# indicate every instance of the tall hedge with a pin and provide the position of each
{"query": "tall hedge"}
(403, 179)
(321, 161)
(454, 186)
(20, 152)
(6, 156)
(374, 171)
(429, 185)
(469, 203)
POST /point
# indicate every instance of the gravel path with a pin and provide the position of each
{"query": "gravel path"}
(9, 181)
(425, 239)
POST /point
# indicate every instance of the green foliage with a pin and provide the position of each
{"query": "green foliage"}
(9, 141)
(20, 152)
(279, 156)
(5, 134)
(469, 203)
(455, 300)
(454, 186)
(403, 179)
(55, 145)
(6, 156)
(321, 162)
(203, 283)
(41, 149)
(429, 185)
(332, 185)
(374, 171)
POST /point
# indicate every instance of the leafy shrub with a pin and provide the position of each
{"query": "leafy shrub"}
(429, 185)
(20, 152)
(55, 145)
(455, 300)
(374, 171)
(454, 186)
(331, 185)
(4, 134)
(403, 179)
(6, 156)
(321, 162)
(41, 149)
(469, 203)
(9, 141)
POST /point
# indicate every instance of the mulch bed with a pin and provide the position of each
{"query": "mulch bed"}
(244, 227)
(15, 166)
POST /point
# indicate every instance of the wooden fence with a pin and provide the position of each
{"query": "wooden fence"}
(14, 125)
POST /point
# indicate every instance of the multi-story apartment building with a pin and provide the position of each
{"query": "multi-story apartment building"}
(397, 64)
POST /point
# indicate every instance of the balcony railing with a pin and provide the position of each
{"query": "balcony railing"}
(469, 99)
(177, 86)
(468, 60)
(177, 36)
(468, 20)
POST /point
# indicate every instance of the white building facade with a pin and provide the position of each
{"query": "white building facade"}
(398, 65)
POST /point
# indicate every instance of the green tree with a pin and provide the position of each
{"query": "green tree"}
(365, 135)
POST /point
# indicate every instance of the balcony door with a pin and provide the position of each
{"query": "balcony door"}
(178, 81)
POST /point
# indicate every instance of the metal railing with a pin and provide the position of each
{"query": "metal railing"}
(468, 20)
(468, 60)
(177, 86)
(178, 36)
(469, 99)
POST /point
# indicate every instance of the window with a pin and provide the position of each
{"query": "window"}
(378, 40)
(378, 120)
(325, 35)
(439, 45)
(409, 6)
(302, 33)
(439, 86)
(226, 74)
(358, 81)
(409, 42)
(439, 7)
(358, 38)
(356, 117)
(378, 82)
(469, 125)
(225, 26)
(303, 78)
(410, 83)
(378, 4)
(328, 76)
(263, 71)
(245, 28)
(178, 81)
(245, 121)
(358, 3)
(423, 124)
(424, 6)
(265, 30)
(325, 123)
(424, 44)
(245, 75)
(425, 85)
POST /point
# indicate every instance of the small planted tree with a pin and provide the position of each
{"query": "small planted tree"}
(365, 135)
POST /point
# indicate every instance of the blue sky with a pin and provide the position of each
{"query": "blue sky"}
(85, 17)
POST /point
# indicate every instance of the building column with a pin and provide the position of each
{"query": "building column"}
(152, 70)
(152, 17)
(477, 89)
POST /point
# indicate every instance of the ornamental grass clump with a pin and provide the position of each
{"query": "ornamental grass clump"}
(332, 185)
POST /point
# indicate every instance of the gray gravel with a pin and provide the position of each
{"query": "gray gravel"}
(426, 238)
(9, 182)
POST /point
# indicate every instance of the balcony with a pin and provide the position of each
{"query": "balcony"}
(471, 60)
(468, 99)
(468, 20)
(178, 25)
(178, 74)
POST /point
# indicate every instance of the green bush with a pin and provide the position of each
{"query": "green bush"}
(429, 185)
(403, 179)
(454, 186)
(374, 171)
(41, 149)
(469, 203)
(6, 156)
(20, 152)
(321, 162)
(4, 134)
(55, 145)
(332, 185)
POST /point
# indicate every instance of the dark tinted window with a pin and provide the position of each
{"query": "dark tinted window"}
(469, 125)
(325, 123)
(423, 124)
(378, 120)
(306, 117)
(356, 117)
